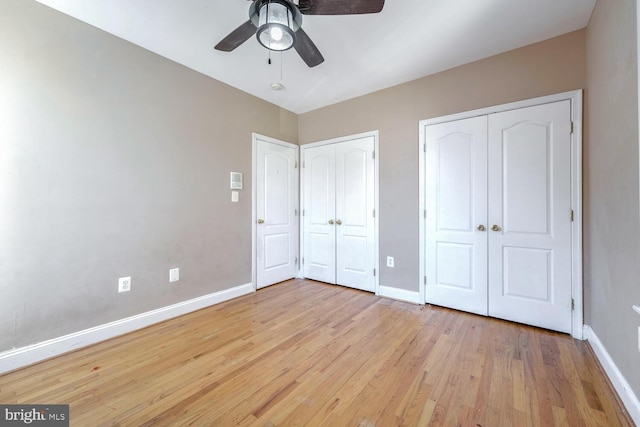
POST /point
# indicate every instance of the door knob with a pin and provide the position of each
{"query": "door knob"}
(495, 227)
(338, 222)
(481, 227)
(330, 222)
(261, 221)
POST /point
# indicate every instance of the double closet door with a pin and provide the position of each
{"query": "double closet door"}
(498, 227)
(338, 213)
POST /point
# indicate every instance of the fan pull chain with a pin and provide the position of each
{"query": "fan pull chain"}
(269, 60)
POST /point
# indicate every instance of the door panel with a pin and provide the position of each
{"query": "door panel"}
(276, 204)
(456, 249)
(530, 203)
(454, 191)
(527, 273)
(354, 213)
(319, 205)
(526, 178)
(449, 274)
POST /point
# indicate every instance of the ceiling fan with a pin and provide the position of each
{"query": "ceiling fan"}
(277, 24)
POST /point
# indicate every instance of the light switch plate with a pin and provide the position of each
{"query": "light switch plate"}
(174, 275)
(234, 196)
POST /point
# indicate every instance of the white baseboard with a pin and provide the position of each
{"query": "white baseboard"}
(23, 356)
(399, 294)
(621, 385)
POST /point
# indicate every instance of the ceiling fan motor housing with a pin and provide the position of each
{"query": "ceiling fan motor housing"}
(277, 21)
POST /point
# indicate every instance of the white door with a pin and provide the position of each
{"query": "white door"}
(530, 216)
(319, 207)
(498, 227)
(339, 195)
(355, 214)
(456, 237)
(276, 212)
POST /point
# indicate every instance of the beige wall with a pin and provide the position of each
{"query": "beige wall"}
(545, 68)
(612, 217)
(114, 162)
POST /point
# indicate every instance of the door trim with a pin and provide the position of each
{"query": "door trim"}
(376, 180)
(254, 203)
(577, 315)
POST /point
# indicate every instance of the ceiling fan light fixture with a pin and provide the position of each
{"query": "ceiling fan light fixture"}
(276, 25)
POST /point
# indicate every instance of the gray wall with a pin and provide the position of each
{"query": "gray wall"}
(114, 162)
(612, 217)
(552, 66)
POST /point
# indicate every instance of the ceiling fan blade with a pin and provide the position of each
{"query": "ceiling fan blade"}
(236, 37)
(307, 49)
(340, 7)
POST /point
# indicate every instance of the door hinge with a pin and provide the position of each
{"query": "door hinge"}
(304, 164)
(374, 272)
(425, 214)
(295, 166)
(571, 215)
(302, 260)
(573, 304)
(295, 212)
(373, 155)
(425, 280)
(296, 260)
(571, 127)
(374, 213)
(424, 147)
(303, 212)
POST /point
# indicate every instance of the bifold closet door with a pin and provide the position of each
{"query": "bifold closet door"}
(530, 216)
(456, 235)
(338, 213)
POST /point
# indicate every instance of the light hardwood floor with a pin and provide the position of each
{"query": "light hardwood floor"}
(306, 353)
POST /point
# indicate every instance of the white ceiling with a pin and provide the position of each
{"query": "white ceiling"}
(409, 39)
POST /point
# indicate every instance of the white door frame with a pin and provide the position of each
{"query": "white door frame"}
(254, 204)
(577, 315)
(375, 135)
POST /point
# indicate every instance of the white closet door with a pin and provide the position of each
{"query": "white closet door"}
(354, 213)
(276, 193)
(529, 213)
(319, 216)
(456, 195)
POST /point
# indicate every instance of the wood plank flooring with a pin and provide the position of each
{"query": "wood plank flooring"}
(303, 353)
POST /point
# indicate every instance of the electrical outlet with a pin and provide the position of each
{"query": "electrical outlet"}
(124, 284)
(390, 262)
(174, 275)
